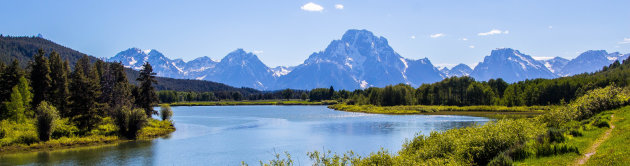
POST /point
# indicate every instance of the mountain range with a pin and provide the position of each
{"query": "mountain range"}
(360, 59)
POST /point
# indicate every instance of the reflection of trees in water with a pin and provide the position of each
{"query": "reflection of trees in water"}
(132, 153)
(128, 153)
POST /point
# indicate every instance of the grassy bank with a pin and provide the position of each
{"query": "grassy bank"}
(484, 111)
(20, 137)
(615, 150)
(255, 102)
(558, 137)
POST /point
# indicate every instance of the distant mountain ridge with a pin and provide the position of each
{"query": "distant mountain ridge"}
(23, 49)
(361, 59)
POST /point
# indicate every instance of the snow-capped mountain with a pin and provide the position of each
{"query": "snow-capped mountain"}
(511, 65)
(591, 61)
(134, 58)
(358, 60)
(457, 71)
(281, 70)
(555, 64)
(240, 69)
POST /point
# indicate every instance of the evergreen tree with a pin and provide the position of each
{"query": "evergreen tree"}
(9, 78)
(40, 78)
(287, 93)
(15, 106)
(122, 91)
(84, 90)
(147, 96)
(60, 93)
(331, 93)
(304, 96)
(25, 92)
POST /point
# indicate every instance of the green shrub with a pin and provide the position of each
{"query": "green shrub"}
(601, 123)
(64, 128)
(26, 139)
(46, 116)
(575, 132)
(130, 122)
(18, 133)
(106, 127)
(548, 149)
(475, 144)
(166, 112)
(501, 160)
(552, 135)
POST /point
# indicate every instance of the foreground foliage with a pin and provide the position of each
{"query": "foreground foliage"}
(565, 131)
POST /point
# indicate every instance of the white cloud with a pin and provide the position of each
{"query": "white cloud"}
(413, 37)
(258, 52)
(550, 27)
(493, 32)
(312, 7)
(625, 41)
(464, 39)
(436, 35)
(339, 6)
(471, 46)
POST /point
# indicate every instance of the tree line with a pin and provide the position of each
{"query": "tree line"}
(50, 89)
(464, 91)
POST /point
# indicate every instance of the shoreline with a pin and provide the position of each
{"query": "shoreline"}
(149, 133)
(495, 112)
(255, 102)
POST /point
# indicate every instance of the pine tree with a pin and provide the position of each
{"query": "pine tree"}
(59, 92)
(9, 78)
(147, 96)
(84, 90)
(40, 78)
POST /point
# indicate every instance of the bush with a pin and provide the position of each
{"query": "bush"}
(475, 144)
(501, 160)
(18, 133)
(46, 116)
(64, 128)
(130, 122)
(106, 127)
(166, 112)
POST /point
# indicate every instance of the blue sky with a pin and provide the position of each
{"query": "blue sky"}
(286, 32)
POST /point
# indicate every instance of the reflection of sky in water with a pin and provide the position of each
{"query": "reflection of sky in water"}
(226, 135)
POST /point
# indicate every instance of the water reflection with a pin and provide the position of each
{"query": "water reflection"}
(227, 135)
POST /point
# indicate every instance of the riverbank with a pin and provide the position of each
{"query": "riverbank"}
(481, 111)
(254, 102)
(153, 129)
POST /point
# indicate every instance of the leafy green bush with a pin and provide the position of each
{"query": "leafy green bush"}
(106, 127)
(501, 160)
(166, 112)
(46, 116)
(548, 149)
(18, 133)
(130, 122)
(475, 144)
(64, 128)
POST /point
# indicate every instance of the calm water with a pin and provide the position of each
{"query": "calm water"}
(227, 135)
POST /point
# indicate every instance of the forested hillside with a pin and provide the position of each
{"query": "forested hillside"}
(23, 49)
